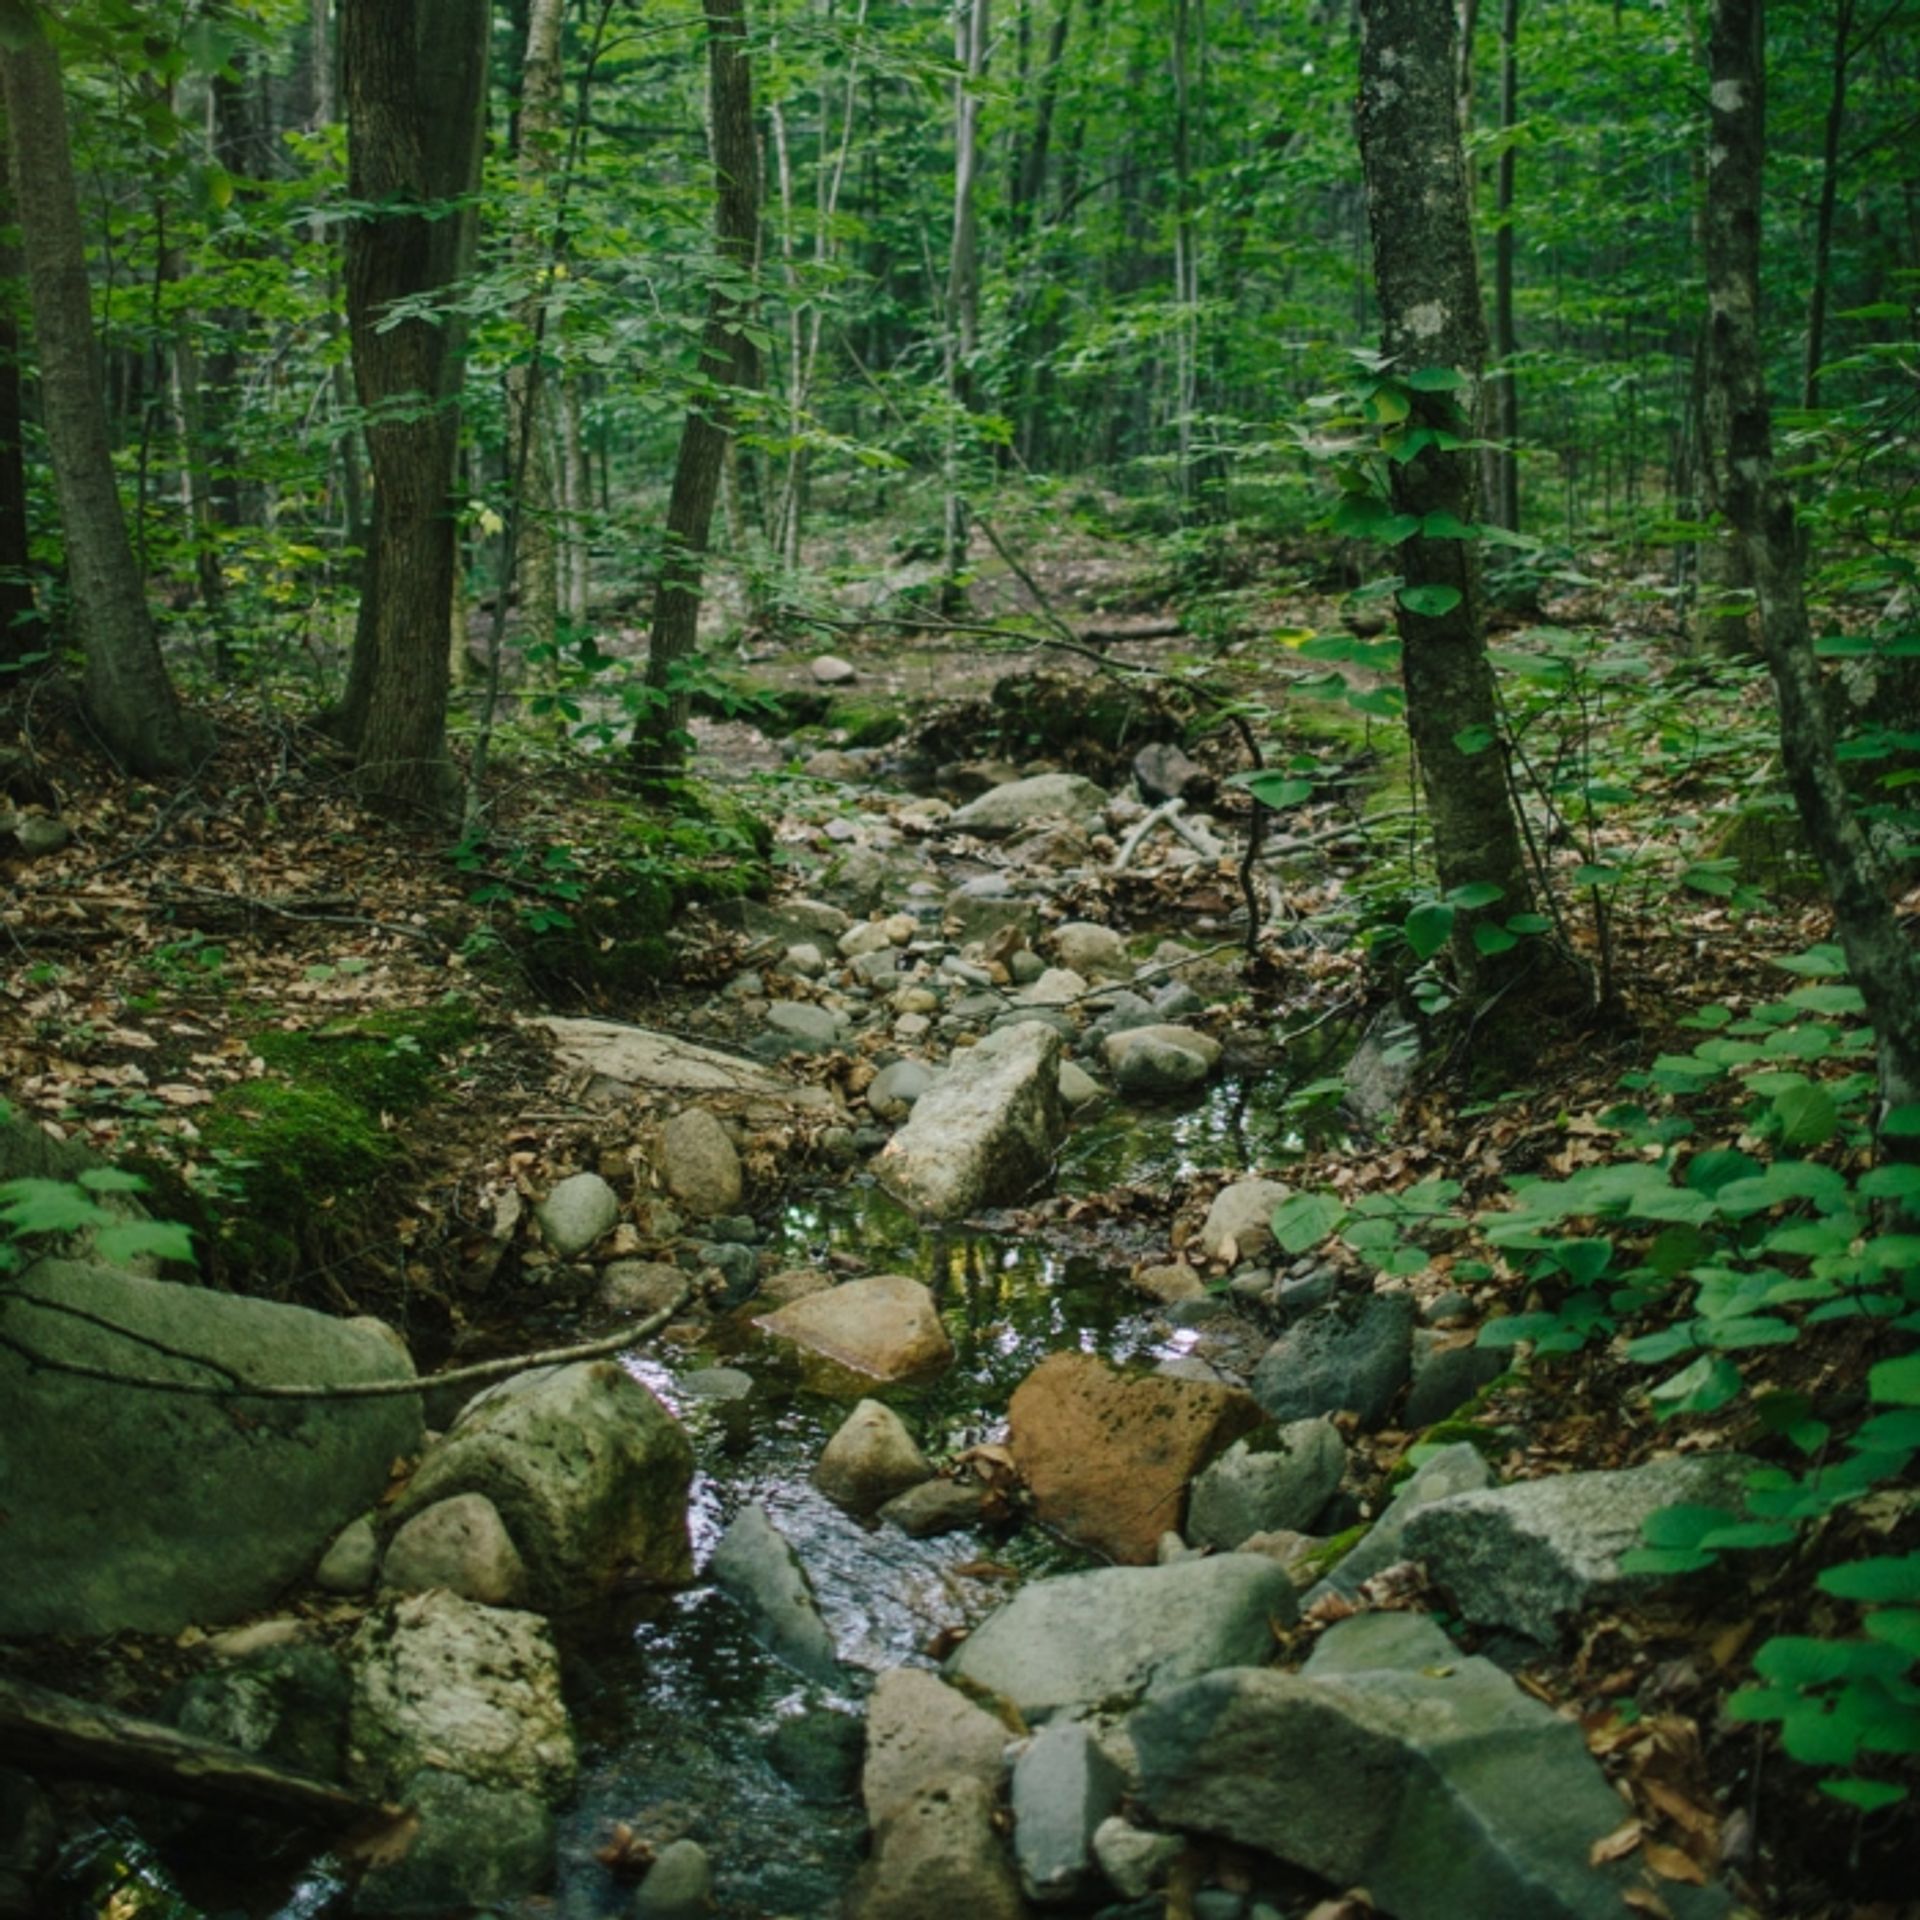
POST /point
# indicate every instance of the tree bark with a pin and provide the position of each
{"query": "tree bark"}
(21, 630)
(415, 74)
(728, 364)
(1829, 195)
(1881, 960)
(1430, 309)
(970, 30)
(1503, 505)
(129, 698)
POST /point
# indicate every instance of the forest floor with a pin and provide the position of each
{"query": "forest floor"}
(157, 960)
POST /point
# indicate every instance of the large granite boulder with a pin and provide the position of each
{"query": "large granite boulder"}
(1275, 1480)
(131, 1509)
(984, 1134)
(1016, 805)
(1239, 1224)
(938, 1857)
(587, 1470)
(885, 1326)
(870, 1459)
(1108, 1456)
(699, 1163)
(475, 1847)
(1534, 1555)
(921, 1731)
(1460, 1468)
(756, 1563)
(1395, 1762)
(1350, 1356)
(1120, 1632)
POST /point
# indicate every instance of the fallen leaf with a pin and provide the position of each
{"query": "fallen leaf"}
(1645, 1900)
(1671, 1864)
(1616, 1845)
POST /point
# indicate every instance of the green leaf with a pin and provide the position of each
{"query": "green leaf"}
(137, 1239)
(1447, 526)
(1800, 1660)
(1489, 939)
(1896, 1383)
(1897, 1182)
(1902, 1123)
(1719, 1167)
(1749, 1535)
(1276, 790)
(1704, 1387)
(1473, 740)
(1835, 999)
(1890, 1432)
(47, 1206)
(1664, 1561)
(1885, 1578)
(1529, 923)
(1897, 1626)
(1475, 893)
(1596, 874)
(1582, 1260)
(1868, 1795)
(1303, 1220)
(1430, 601)
(1436, 380)
(1823, 961)
(111, 1180)
(1428, 928)
(1684, 1524)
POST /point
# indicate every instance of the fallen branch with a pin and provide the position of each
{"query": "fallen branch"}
(341, 1390)
(1138, 833)
(46, 1732)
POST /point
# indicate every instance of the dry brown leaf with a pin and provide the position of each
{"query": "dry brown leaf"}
(1645, 1900)
(1671, 1864)
(1616, 1845)
(1697, 1821)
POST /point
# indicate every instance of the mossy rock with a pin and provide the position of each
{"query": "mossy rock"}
(777, 711)
(1768, 850)
(1330, 1552)
(1090, 723)
(387, 1062)
(867, 723)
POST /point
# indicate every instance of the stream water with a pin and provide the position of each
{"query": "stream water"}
(679, 1711)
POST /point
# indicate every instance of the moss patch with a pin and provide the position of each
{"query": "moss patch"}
(1329, 1553)
(386, 1062)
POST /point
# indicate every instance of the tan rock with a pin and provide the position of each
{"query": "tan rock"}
(919, 1731)
(1108, 1456)
(870, 1458)
(700, 1164)
(1176, 1281)
(885, 1325)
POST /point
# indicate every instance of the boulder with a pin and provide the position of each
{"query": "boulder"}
(1163, 772)
(938, 1857)
(1278, 1478)
(348, 1566)
(475, 1847)
(885, 1325)
(1064, 1786)
(1173, 1282)
(870, 1458)
(756, 1564)
(1052, 987)
(1134, 1859)
(699, 1163)
(935, 1507)
(642, 1287)
(921, 1731)
(893, 1091)
(1108, 1455)
(1019, 804)
(586, 1468)
(829, 670)
(441, 1683)
(1350, 1356)
(150, 1511)
(576, 1213)
(678, 1886)
(460, 1544)
(984, 1135)
(1532, 1556)
(616, 1058)
(1091, 949)
(287, 1704)
(1120, 1632)
(1239, 1223)
(1433, 1780)
(804, 1024)
(1448, 1370)
(1460, 1468)
(1155, 1058)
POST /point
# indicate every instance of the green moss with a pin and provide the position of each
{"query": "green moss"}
(1768, 850)
(865, 723)
(1329, 1553)
(386, 1062)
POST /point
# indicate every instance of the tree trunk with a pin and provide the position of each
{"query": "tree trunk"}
(415, 75)
(728, 363)
(21, 630)
(1829, 194)
(1429, 295)
(1881, 960)
(970, 29)
(529, 432)
(1503, 465)
(129, 698)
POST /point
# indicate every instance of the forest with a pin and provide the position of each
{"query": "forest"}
(975, 939)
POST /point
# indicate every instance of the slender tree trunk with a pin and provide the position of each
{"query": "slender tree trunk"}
(1503, 507)
(577, 479)
(21, 629)
(1429, 293)
(129, 698)
(728, 364)
(1881, 960)
(529, 433)
(970, 30)
(1829, 195)
(1186, 266)
(415, 80)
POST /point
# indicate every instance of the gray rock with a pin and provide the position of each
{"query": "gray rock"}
(1345, 1357)
(476, 1846)
(699, 1163)
(1053, 987)
(981, 908)
(736, 1265)
(1533, 1555)
(806, 1024)
(818, 1751)
(871, 1458)
(286, 1703)
(921, 1731)
(1175, 1000)
(938, 1857)
(1163, 772)
(1135, 1860)
(985, 1134)
(620, 1058)
(1445, 1790)
(576, 1213)
(1460, 1468)
(348, 1566)
(864, 938)
(1026, 966)
(935, 1507)
(1021, 804)
(805, 959)
(151, 1512)
(642, 1287)
(1088, 948)
(461, 1544)
(831, 671)
(1063, 1787)
(439, 1682)
(885, 1325)
(717, 1383)
(1269, 1480)
(1242, 1213)
(1446, 1375)
(679, 1884)
(755, 1563)
(1367, 1642)
(1154, 1067)
(1078, 1088)
(782, 921)
(587, 1469)
(879, 968)
(1119, 1632)
(39, 834)
(893, 1091)
(1382, 1071)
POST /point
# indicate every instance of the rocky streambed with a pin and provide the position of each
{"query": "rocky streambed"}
(932, 1557)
